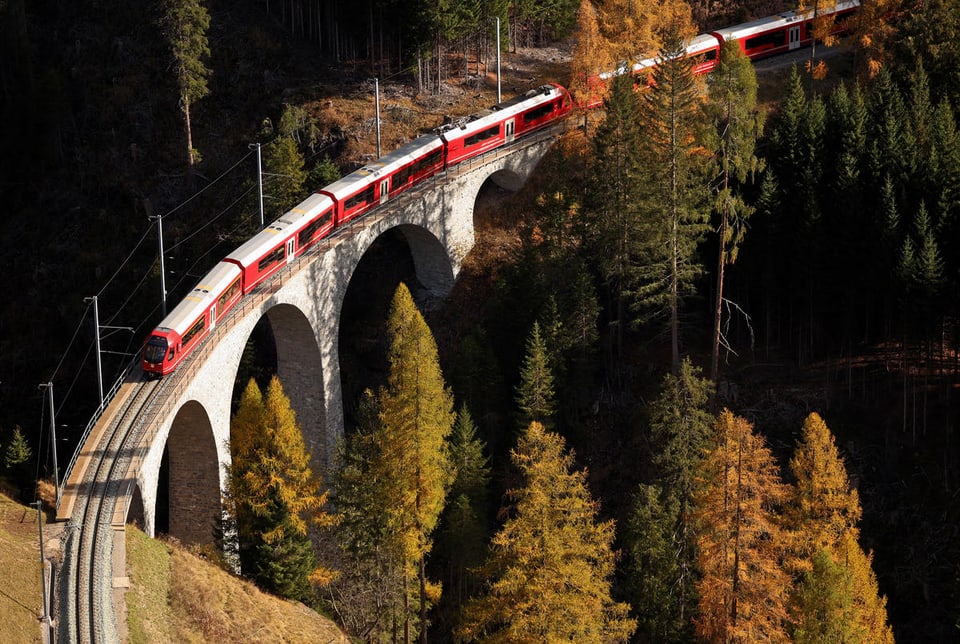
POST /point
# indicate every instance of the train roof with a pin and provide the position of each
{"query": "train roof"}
(384, 166)
(700, 44)
(288, 225)
(301, 214)
(196, 302)
(747, 29)
(482, 119)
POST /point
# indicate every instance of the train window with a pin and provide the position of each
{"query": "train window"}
(710, 55)
(538, 113)
(358, 199)
(229, 294)
(306, 235)
(766, 41)
(153, 352)
(170, 355)
(402, 177)
(197, 327)
(274, 257)
(482, 135)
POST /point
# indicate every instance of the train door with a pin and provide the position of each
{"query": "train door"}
(213, 315)
(508, 130)
(384, 190)
(794, 37)
(290, 249)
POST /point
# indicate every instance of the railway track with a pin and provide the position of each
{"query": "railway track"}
(86, 583)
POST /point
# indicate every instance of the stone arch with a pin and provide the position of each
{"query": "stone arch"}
(300, 370)
(194, 491)
(433, 266)
(508, 179)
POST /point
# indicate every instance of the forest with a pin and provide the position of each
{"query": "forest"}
(696, 382)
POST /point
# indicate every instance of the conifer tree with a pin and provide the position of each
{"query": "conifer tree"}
(735, 126)
(655, 583)
(591, 56)
(367, 594)
(535, 396)
(838, 600)
(550, 564)
(274, 495)
(287, 179)
(677, 190)
(416, 417)
(464, 530)
(824, 506)
(612, 222)
(743, 590)
(184, 24)
(681, 433)
(17, 453)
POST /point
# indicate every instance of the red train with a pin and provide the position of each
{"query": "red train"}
(757, 39)
(378, 182)
(348, 198)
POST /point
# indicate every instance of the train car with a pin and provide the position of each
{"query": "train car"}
(376, 182)
(481, 132)
(192, 319)
(309, 221)
(704, 50)
(784, 32)
(279, 243)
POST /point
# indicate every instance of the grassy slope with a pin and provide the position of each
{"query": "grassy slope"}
(178, 597)
(174, 595)
(19, 573)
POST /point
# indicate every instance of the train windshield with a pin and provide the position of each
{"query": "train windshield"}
(153, 352)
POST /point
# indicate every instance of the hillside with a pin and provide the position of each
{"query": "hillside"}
(19, 573)
(174, 596)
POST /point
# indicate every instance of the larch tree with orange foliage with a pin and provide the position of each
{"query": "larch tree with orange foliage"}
(837, 598)
(274, 496)
(743, 589)
(823, 506)
(550, 565)
(413, 465)
(591, 57)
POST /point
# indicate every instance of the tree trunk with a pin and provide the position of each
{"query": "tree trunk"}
(718, 311)
(191, 162)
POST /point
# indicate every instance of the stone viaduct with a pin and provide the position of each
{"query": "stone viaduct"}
(191, 420)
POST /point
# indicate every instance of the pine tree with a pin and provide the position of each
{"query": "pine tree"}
(655, 583)
(274, 495)
(463, 534)
(416, 417)
(287, 175)
(368, 593)
(681, 433)
(535, 396)
(735, 126)
(18, 452)
(184, 24)
(550, 564)
(612, 222)
(677, 191)
(743, 590)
